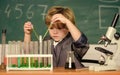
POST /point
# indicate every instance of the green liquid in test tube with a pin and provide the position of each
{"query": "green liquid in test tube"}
(27, 62)
(36, 63)
(49, 65)
(41, 64)
(32, 62)
(19, 48)
(22, 65)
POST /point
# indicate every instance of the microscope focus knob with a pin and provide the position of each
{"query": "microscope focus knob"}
(117, 35)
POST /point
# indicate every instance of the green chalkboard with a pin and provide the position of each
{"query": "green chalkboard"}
(93, 17)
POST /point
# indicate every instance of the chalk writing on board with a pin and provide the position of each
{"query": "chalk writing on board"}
(8, 10)
(18, 8)
(29, 12)
(44, 10)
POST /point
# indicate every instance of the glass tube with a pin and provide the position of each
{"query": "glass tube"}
(3, 50)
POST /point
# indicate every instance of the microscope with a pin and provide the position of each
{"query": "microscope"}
(111, 62)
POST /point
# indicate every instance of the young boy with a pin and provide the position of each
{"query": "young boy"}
(65, 35)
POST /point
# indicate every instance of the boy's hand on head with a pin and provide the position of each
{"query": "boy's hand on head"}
(59, 17)
(28, 27)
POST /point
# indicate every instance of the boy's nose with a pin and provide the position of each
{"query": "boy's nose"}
(55, 30)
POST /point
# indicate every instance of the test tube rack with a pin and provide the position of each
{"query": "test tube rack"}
(29, 58)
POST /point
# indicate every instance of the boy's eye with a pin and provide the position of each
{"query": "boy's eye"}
(60, 28)
(51, 28)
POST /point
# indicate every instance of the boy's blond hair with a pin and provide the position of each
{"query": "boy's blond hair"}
(67, 12)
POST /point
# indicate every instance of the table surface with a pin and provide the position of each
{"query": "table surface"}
(60, 71)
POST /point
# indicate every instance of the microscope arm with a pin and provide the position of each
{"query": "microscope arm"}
(112, 62)
(106, 52)
(110, 32)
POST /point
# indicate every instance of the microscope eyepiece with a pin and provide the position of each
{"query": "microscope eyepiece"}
(116, 17)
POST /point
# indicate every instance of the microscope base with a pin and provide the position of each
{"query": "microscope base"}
(102, 68)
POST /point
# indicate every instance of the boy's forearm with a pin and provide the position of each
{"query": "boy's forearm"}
(27, 38)
(75, 32)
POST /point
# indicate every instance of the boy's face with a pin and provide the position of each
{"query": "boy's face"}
(58, 34)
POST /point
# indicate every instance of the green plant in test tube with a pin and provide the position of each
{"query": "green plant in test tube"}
(49, 65)
(32, 62)
(41, 64)
(22, 65)
(27, 62)
(36, 63)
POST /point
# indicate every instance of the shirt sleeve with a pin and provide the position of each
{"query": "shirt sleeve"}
(81, 42)
(80, 47)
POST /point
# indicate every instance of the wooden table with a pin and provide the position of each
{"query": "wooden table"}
(61, 71)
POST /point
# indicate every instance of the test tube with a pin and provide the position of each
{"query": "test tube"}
(31, 52)
(45, 50)
(49, 52)
(3, 51)
(19, 45)
(40, 51)
(31, 47)
(13, 51)
(9, 52)
(26, 47)
(36, 52)
(26, 51)
(35, 47)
